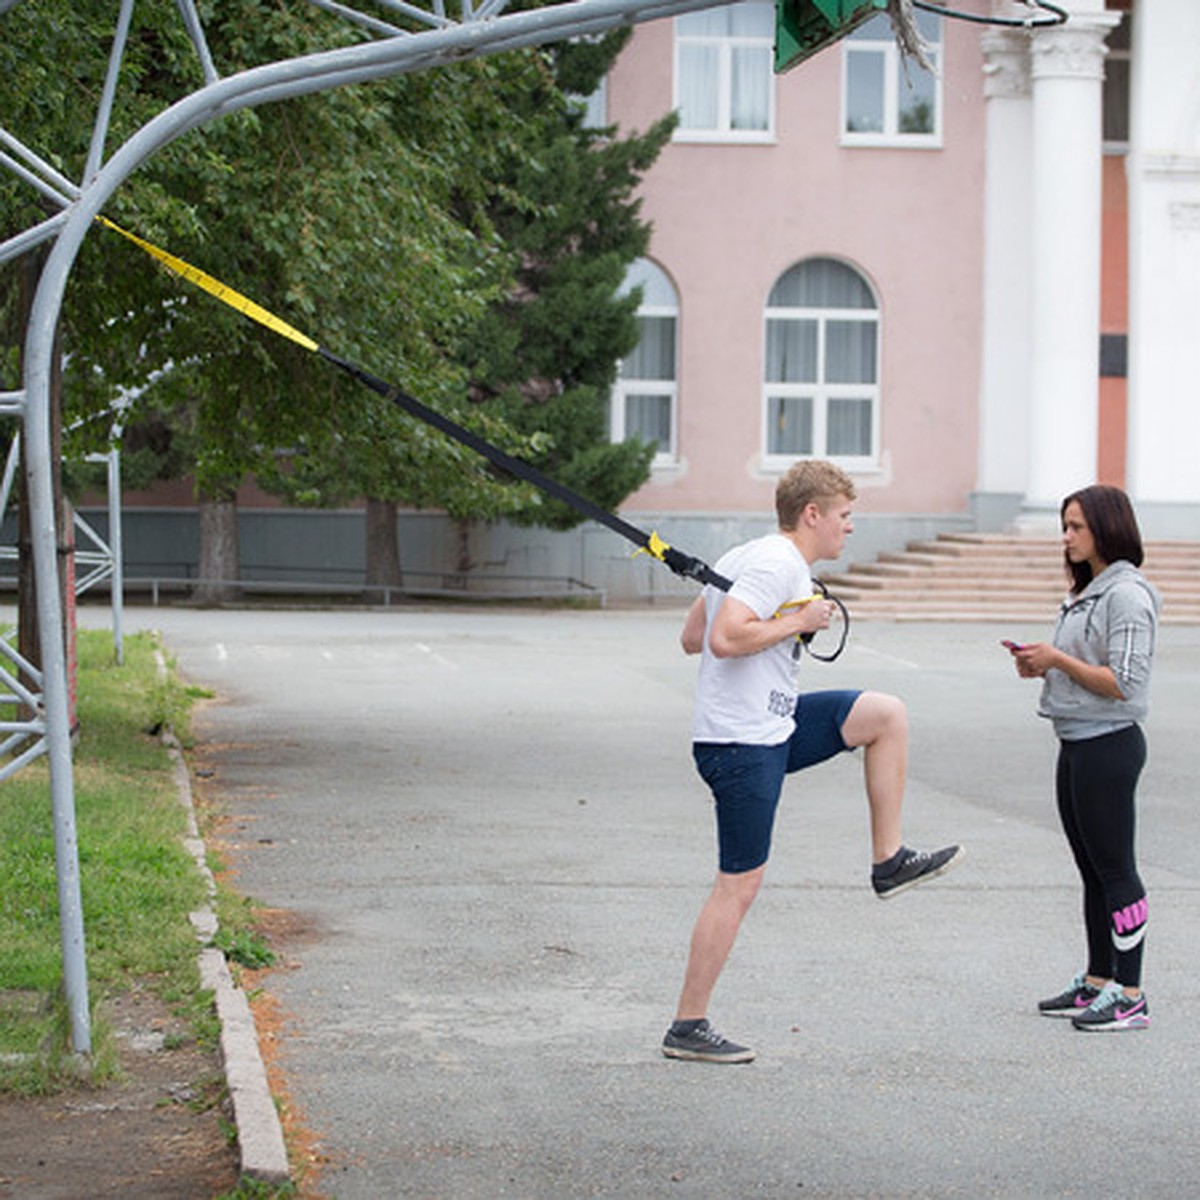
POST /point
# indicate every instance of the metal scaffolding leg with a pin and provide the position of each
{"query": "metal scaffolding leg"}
(481, 30)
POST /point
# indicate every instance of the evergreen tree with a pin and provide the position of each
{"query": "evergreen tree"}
(457, 231)
(546, 356)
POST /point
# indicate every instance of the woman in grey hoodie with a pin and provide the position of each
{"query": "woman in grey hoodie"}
(1095, 690)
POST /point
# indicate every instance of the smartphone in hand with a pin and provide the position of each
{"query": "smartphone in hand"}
(1011, 645)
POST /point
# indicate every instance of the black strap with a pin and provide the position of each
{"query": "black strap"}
(807, 638)
(685, 565)
(682, 564)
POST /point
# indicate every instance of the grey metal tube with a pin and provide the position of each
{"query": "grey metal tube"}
(275, 81)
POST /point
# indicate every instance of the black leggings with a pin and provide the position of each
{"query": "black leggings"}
(1096, 780)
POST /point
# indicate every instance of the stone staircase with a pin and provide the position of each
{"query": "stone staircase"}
(998, 577)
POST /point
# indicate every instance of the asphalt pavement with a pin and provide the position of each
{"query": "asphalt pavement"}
(489, 826)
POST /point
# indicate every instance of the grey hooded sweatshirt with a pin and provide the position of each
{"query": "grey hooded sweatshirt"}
(1112, 622)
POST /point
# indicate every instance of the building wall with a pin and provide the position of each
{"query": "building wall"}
(307, 550)
(1114, 324)
(1164, 266)
(728, 220)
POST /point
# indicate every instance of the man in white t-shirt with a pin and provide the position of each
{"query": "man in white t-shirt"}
(752, 728)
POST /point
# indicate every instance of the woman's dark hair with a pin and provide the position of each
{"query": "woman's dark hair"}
(1114, 528)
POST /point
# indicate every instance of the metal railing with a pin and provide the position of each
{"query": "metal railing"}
(415, 585)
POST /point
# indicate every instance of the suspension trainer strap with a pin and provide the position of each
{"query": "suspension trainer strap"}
(651, 543)
(685, 565)
(682, 564)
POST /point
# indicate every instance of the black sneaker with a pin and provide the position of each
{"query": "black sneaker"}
(1071, 1002)
(704, 1044)
(1112, 1011)
(915, 867)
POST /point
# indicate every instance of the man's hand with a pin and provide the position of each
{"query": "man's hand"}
(738, 630)
(816, 612)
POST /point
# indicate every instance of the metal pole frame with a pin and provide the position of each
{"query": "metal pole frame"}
(482, 31)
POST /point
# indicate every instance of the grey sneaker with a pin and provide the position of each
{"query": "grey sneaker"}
(1071, 1002)
(704, 1044)
(916, 867)
(1113, 1011)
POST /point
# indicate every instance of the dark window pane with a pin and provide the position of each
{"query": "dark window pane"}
(648, 418)
(850, 352)
(791, 351)
(791, 422)
(849, 431)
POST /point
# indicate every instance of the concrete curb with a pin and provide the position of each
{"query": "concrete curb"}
(259, 1133)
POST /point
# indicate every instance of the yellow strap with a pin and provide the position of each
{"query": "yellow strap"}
(797, 603)
(216, 288)
(655, 546)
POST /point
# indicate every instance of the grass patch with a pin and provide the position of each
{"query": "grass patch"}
(138, 882)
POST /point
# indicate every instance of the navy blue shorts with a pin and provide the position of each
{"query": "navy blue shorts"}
(746, 780)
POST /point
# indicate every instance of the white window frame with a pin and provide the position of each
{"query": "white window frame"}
(648, 387)
(724, 44)
(623, 388)
(885, 47)
(820, 391)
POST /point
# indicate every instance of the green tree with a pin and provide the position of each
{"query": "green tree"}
(546, 356)
(542, 357)
(317, 207)
(459, 232)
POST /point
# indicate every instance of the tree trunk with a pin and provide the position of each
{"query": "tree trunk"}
(463, 565)
(383, 545)
(218, 569)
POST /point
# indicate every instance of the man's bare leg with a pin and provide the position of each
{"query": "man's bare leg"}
(715, 931)
(879, 723)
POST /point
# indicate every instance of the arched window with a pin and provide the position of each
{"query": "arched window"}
(643, 403)
(821, 391)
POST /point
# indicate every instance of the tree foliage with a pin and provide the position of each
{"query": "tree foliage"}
(458, 232)
(546, 355)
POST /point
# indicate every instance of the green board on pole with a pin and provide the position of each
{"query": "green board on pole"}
(802, 27)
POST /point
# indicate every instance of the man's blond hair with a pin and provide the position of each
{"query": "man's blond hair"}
(810, 481)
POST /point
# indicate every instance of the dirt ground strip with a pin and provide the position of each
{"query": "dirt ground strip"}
(160, 1132)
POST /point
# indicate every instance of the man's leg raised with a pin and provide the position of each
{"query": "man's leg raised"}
(879, 723)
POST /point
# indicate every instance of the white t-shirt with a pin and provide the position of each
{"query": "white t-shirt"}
(751, 698)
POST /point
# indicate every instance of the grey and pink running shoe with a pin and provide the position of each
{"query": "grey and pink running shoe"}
(1071, 1002)
(1112, 1011)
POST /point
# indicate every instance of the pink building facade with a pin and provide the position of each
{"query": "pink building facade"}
(1024, 221)
(977, 289)
(732, 213)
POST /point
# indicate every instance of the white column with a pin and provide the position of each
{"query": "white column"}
(1164, 261)
(1064, 221)
(1007, 264)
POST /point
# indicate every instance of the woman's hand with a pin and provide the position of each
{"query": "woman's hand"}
(1034, 659)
